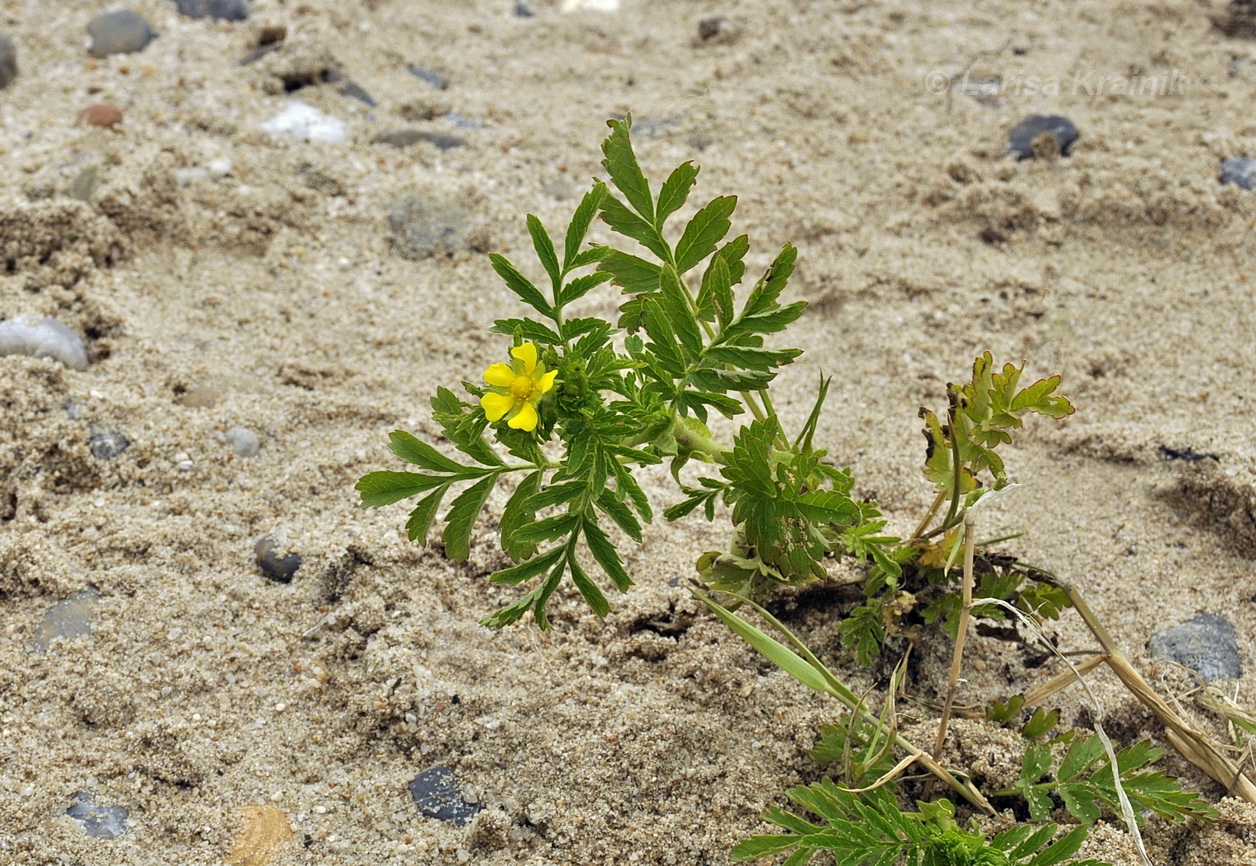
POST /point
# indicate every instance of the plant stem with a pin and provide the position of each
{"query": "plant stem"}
(956, 469)
(961, 634)
(933, 509)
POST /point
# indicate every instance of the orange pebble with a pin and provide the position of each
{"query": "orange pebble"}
(100, 114)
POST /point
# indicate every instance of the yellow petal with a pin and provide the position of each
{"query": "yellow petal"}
(497, 405)
(527, 354)
(546, 382)
(500, 375)
(525, 420)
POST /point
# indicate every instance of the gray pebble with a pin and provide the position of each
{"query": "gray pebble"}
(1240, 171)
(8, 61)
(407, 137)
(99, 822)
(243, 441)
(436, 792)
(120, 32)
(224, 10)
(355, 91)
(1024, 139)
(67, 619)
(275, 567)
(432, 78)
(106, 446)
(84, 183)
(423, 227)
(46, 338)
(1205, 644)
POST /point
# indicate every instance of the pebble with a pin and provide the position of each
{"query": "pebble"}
(522, 10)
(99, 822)
(8, 61)
(216, 169)
(101, 114)
(243, 441)
(1024, 139)
(120, 32)
(407, 137)
(437, 795)
(1206, 644)
(223, 10)
(68, 618)
(422, 227)
(432, 78)
(47, 338)
(275, 567)
(355, 91)
(306, 123)
(1240, 171)
(106, 446)
(84, 183)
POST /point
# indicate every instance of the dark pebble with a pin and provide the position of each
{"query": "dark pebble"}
(99, 822)
(224, 10)
(437, 81)
(355, 92)
(407, 137)
(106, 446)
(1205, 644)
(1025, 139)
(121, 32)
(437, 795)
(8, 61)
(423, 227)
(1240, 171)
(275, 567)
(522, 10)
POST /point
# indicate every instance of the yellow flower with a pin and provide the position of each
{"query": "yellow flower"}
(516, 388)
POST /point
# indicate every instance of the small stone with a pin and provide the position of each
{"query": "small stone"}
(243, 441)
(432, 78)
(522, 10)
(407, 137)
(99, 822)
(718, 31)
(437, 795)
(1026, 138)
(120, 32)
(84, 183)
(1206, 644)
(101, 114)
(306, 123)
(106, 446)
(67, 619)
(47, 338)
(8, 61)
(274, 566)
(223, 10)
(423, 227)
(353, 91)
(1240, 171)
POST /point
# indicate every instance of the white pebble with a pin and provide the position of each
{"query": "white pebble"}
(306, 123)
(243, 441)
(591, 5)
(23, 335)
(220, 167)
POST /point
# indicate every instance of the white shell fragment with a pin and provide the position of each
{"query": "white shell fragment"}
(25, 335)
(306, 123)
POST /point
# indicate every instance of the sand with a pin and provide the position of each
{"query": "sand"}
(277, 298)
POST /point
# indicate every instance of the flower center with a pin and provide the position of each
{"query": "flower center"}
(521, 389)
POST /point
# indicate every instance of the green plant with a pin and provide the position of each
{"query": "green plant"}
(582, 404)
(867, 828)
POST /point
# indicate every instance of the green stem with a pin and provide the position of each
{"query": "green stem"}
(956, 469)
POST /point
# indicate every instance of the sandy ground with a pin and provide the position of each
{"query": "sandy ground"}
(276, 298)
